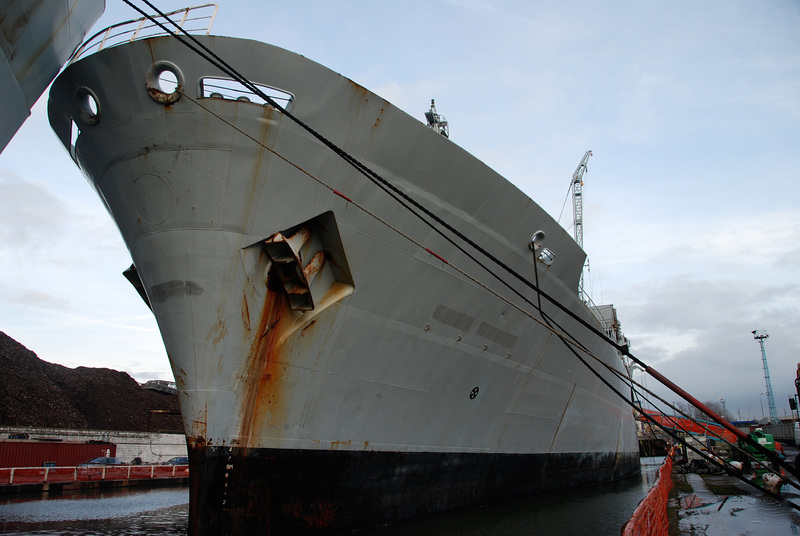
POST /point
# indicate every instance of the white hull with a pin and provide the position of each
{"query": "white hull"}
(400, 353)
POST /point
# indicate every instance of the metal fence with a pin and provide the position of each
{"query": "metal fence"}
(650, 516)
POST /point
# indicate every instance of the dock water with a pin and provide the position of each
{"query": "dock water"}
(711, 505)
(599, 510)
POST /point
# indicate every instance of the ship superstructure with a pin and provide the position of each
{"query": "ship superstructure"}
(332, 373)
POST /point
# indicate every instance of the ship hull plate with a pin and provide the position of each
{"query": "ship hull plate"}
(333, 374)
(289, 491)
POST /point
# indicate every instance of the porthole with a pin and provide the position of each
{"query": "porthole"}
(87, 105)
(164, 82)
(167, 81)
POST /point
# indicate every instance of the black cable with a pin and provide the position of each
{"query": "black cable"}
(747, 456)
(551, 323)
(672, 434)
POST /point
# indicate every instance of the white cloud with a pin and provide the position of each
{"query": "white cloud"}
(29, 213)
(32, 299)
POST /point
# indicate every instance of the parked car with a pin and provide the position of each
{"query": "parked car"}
(103, 460)
(177, 460)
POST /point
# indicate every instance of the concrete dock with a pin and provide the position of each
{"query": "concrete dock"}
(722, 505)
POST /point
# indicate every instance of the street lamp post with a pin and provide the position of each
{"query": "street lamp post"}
(762, 405)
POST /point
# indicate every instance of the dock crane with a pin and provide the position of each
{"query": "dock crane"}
(577, 210)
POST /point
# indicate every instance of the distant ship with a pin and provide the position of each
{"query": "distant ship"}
(334, 375)
(36, 40)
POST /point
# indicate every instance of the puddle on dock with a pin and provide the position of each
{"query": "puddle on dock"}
(720, 505)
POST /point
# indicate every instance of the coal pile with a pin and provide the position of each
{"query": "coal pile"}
(41, 394)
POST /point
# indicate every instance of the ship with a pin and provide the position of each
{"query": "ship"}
(340, 363)
(36, 40)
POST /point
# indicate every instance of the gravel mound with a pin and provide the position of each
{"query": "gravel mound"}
(41, 394)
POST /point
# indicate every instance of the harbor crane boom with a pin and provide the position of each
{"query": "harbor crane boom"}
(577, 209)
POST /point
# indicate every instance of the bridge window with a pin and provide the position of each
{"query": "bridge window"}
(225, 88)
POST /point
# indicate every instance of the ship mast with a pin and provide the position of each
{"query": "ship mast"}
(437, 122)
(577, 211)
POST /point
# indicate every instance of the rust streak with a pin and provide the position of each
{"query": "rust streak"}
(162, 97)
(314, 266)
(260, 165)
(196, 442)
(263, 374)
(245, 312)
(308, 327)
(377, 122)
(219, 331)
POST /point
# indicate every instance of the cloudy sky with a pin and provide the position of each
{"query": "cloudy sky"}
(692, 225)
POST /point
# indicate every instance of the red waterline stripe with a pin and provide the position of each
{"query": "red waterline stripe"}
(437, 256)
(340, 194)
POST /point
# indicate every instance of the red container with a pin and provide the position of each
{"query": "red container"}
(32, 453)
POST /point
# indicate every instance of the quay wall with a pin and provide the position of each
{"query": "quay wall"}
(151, 447)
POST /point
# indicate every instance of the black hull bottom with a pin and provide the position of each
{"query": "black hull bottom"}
(272, 491)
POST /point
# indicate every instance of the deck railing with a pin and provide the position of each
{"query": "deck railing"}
(198, 19)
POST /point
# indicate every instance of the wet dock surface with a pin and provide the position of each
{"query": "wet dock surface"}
(722, 505)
